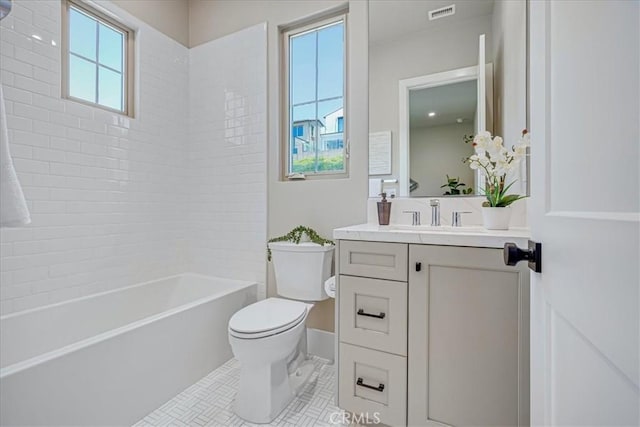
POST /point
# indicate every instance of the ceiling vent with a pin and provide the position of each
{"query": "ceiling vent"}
(442, 12)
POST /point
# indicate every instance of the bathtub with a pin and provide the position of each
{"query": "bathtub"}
(113, 357)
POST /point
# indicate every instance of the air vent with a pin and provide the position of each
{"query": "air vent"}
(442, 12)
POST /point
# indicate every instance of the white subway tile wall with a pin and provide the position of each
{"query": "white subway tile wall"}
(118, 200)
(228, 156)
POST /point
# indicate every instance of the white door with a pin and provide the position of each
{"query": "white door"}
(584, 94)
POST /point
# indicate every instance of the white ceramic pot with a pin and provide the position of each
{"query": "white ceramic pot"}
(496, 218)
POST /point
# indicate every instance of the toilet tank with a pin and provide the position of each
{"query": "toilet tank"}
(301, 269)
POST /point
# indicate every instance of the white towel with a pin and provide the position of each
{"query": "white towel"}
(330, 286)
(13, 207)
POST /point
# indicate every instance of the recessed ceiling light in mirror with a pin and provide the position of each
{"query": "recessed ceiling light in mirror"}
(432, 114)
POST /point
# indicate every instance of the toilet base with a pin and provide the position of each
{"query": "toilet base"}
(266, 390)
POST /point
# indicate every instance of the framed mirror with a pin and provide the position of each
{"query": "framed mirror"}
(429, 90)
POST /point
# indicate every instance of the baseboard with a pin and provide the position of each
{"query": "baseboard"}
(320, 343)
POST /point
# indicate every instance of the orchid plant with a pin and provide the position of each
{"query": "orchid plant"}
(494, 161)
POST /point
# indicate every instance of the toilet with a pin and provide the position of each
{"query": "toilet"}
(269, 337)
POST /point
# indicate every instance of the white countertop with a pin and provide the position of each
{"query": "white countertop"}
(473, 236)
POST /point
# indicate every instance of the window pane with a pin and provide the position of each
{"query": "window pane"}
(330, 61)
(82, 79)
(110, 88)
(110, 48)
(304, 133)
(82, 34)
(331, 138)
(302, 67)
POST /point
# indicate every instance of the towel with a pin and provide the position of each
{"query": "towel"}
(330, 286)
(13, 207)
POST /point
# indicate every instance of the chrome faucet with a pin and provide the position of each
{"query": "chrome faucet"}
(435, 212)
(415, 217)
(456, 218)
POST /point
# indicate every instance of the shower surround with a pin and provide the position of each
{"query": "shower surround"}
(117, 200)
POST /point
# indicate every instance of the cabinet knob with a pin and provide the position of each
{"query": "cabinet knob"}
(418, 266)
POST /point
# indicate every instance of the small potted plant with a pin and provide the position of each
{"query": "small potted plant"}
(296, 236)
(494, 161)
(453, 185)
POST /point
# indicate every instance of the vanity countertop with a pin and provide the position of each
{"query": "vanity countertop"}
(473, 236)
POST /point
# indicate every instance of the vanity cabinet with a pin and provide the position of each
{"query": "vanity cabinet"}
(432, 335)
(468, 338)
(372, 328)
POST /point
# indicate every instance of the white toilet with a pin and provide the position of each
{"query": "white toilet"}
(269, 336)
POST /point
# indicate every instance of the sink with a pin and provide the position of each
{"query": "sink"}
(441, 229)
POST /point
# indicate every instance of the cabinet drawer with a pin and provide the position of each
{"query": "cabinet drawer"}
(374, 259)
(373, 313)
(373, 383)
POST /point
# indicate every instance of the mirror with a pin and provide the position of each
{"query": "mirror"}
(428, 91)
(440, 118)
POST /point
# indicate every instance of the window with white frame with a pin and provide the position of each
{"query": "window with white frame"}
(314, 138)
(97, 59)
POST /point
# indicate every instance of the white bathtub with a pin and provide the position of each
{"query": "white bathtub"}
(110, 358)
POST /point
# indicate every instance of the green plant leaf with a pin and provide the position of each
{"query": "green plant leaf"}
(296, 234)
(509, 199)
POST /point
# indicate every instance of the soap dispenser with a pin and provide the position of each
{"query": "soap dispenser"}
(384, 210)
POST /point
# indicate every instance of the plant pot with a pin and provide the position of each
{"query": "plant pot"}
(496, 218)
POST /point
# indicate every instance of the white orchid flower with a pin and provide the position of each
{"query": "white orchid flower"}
(519, 151)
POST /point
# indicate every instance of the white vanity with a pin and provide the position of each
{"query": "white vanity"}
(432, 326)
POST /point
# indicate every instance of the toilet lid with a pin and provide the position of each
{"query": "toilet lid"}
(268, 315)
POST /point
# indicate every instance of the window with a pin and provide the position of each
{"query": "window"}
(314, 76)
(97, 59)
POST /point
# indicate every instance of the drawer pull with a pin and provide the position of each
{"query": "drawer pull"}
(377, 316)
(361, 383)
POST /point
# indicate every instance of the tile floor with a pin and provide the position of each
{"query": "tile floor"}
(208, 402)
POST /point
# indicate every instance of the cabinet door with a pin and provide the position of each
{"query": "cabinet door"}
(373, 313)
(468, 351)
(379, 260)
(373, 384)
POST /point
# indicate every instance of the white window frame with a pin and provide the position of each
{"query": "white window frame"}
(285, 111)
(128, 56)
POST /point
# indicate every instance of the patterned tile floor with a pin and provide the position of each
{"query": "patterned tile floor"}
(209, 402)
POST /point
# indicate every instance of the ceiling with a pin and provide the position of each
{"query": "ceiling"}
(391, 19)
(449, 102)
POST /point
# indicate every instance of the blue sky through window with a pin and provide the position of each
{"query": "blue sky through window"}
(96, 61)
(316, 90)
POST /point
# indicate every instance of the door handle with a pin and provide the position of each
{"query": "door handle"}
(533, 254)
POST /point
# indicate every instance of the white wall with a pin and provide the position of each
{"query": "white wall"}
(437, 151)
(118, 200)
(228, 155)
(430, 51)
(321, 204)
(170, 17)
(139, 228)
(510, 73)
(106, 192)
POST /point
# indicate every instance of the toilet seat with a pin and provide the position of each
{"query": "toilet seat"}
(267, 317)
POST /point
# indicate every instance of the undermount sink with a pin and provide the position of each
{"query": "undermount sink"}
(441, 228)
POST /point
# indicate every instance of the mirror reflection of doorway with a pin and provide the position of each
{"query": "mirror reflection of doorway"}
(440, 118)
